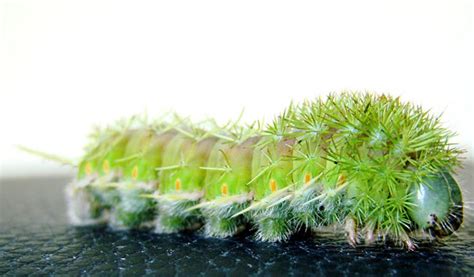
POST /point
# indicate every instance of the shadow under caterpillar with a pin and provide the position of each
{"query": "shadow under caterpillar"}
(378, 168)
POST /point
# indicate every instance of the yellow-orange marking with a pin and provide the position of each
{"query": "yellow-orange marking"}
(177, 184)
(273, 185)
(88, 168)
(224, 189)
(135, 172)
(106, 166)
(307, 178)
(341, 180)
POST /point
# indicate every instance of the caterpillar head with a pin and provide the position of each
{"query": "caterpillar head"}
(438, 206)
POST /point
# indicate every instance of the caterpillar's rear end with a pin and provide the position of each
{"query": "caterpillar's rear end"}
(378, 168)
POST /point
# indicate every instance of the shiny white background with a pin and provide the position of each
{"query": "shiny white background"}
(66, 65)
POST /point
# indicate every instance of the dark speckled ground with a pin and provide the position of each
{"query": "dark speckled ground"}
(35, 239)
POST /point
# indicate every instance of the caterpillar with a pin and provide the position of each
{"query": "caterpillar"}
(370, 165)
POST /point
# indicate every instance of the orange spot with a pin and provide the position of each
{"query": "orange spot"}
(177, 184)
(273, 185)
(135, 172)
(88, 168)
(307, 178)
(224, 189)
(341, 180)
(106, 166)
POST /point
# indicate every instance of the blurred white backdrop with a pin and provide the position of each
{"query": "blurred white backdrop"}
(66, 65)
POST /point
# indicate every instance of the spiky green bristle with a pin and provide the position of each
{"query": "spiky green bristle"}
(219, 221)
(352, 159)
(273, 224)
(133, 210)
(173, 215)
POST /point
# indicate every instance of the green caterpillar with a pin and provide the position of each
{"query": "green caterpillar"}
(379, 168)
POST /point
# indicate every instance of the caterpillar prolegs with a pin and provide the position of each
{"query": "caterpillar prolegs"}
(377, 167)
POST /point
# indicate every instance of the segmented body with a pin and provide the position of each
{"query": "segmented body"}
(355, 160)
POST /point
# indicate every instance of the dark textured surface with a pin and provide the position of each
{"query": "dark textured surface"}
(35, 238)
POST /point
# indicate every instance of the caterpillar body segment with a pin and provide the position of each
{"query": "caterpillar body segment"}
(375, 166)
(181, 182)
(227, 187)
(90, 196)
(272, 169)
(139, 178)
